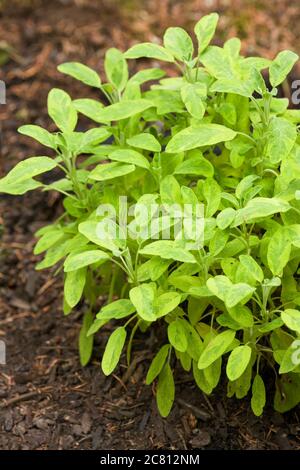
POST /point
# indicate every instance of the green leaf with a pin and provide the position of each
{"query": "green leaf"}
(109, 171)
(198, 166)
(218, 63)
(212, 373)
(230, 293)
(81, 72)
(258, 399)
(19, 188)
(242, 315)
(189, 197)
(193, 96)
(145, 141)
(233, 47)
(279, 250)
(290, 359)
(179, 44)
(165, 391)
(170, 192)
(238, 293)
(216, 348)
(146, 75)
(116, 69)
(245, 184)
(118, 309)
(165, 100)
(142, 298)
(218, 242)
(168, 249)
(238, 361)
(270, 326)
(225, 218)
(96, 326)
(74, 285)
(200, 379)
(281, 67)
(47, 240)
(93, 137)
(166, 303)
(287, 393)
(212, 193)
(152, 269)
(84, 258)
(252, 267)
(93, 231)
(228, 112)
(242, 385)
(260, 207)
(130, 156)
(195, 345)
(239, 87)
(205, 30)
(38, 133)
(200, 136)
(190, 284)
(19, 179)
(177, 336)
(86, 342)
(61, 110)
(157, 364)
(282, 136)
(122, 110)
(291, 318)
(219, 286)
(294, 233)
(28, 168)
(147, 49)
(185, 360)
(113, 350)
(90, 108)
(60, 250)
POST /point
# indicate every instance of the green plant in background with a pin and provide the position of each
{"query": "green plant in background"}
(215, 136)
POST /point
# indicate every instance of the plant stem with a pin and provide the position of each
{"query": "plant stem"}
(112, 285)
(129, 347)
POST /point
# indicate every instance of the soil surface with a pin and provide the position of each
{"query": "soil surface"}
(47, 400)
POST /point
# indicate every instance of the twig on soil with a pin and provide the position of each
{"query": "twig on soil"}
(121, 383)
(83, 439)
(25, 396)
(46, 286)
(129, 371)
(208, 402)
(181, 439)
(14, 318)
(197, 412)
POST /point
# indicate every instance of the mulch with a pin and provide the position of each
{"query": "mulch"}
(47, 400)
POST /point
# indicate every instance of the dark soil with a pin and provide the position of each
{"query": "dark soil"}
(47, 400)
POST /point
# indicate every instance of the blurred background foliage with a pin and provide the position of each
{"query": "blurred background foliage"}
(264, 27)
(37, 35)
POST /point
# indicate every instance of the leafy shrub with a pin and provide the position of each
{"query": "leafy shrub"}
(214, 137)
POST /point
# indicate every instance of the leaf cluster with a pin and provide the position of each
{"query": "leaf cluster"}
(217, 136)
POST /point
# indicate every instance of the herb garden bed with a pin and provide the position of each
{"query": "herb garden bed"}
(79, 408)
